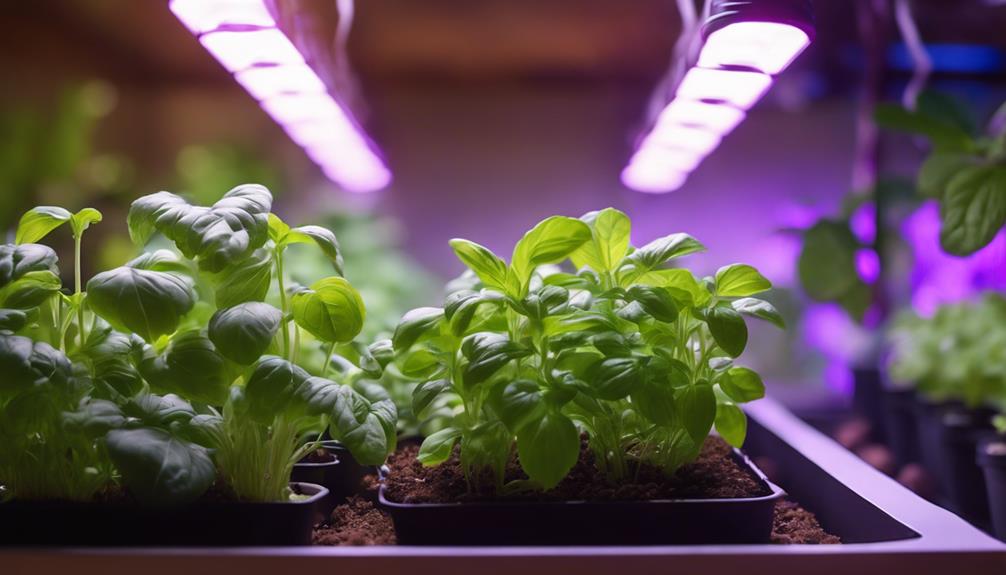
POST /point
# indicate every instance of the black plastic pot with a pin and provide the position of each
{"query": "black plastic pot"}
(342, 477)
(902, 429)
(209, 524)
(868, 399)
(992, 459)
(965, 484)
(656, 522)
(928, 419)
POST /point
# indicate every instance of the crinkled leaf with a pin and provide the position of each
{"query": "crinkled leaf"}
(366, 428)
(158, 468)
(12, 319)
(243, 333)
(486, 353)
(331, 310)
(190, 366)
(94, 418)
(216, 236)
(28, 275)
(159, 410)
(27, 365)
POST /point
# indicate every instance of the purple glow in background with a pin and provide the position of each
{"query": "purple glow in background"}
(243, 36)
(713, 97)
(938, 278)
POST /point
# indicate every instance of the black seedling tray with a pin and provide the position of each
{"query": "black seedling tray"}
(211, 524)
(654, 522)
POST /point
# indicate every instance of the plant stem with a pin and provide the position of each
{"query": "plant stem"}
(76, 287)
(284, 325)
(328, 358)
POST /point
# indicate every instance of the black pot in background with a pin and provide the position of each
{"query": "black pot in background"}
(992, 459)
(965, 485)
(343, 478)
(868, 399)
(210, 524)
(928, 416)
(902, 430)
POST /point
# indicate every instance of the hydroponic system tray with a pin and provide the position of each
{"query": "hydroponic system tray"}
(884, 528)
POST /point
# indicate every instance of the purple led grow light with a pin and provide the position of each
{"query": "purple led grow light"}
(244, 37)
(746, 42)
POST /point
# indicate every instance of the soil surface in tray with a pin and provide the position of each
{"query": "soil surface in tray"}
(360, 522)
(320, 455)
(714, 475)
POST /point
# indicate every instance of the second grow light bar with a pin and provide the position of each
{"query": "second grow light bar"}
(746, 42)
(244, 37)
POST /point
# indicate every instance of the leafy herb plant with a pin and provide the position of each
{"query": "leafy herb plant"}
(637, 356)
(183, 366)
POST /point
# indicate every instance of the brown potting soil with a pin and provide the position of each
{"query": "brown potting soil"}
(714, 475)
(320, 455)
(360, 522)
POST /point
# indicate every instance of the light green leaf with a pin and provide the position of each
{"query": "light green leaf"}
(973, 209)
(658, 252)
(760, 309)
(680, 283)
(548, 448)
(37, 222)
(490, 269)
(243, 333)
(331, 310)
(697, 409)
(83, 219)
(731, 424)
(614, 378)
(610, 231)
(740, 280)
(742, 384)
(323, 238)
(657, 302)
(437, 448)
(549, 242)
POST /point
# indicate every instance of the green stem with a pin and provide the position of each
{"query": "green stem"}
(76, 288)
(328, 358)
(284, 326)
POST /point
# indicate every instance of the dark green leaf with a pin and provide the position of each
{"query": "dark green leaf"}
(28, 275)
(148, 303)
(245, 280)
(697, 408)
(160, 469)
(243, 333)
(614, 378)
(973, 209)
(190, 366)
(937, 171)
(486, 353)
(657, 302)
(728, 329)
(519, 402)
(416, 325)
(366, 428)
(425, 393)
(548, 448)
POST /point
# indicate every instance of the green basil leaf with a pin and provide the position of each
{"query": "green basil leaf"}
(159, 410)
(160, 261)
(490, 269)
(486, 353)
(37, 222)
(427, 392)
(740, 280)
(420, 363)
(944, 135)
(548, 448)
(437, 448)
(654, 399)
(244, 280)
(323, 238)
(216, 236)
(273, 386)
(760, 309)
(519, 402)
(83, 219)
(656, 302)
(366, 428)
(460, 308)
(94, 418)
(610, 231)
(331, 310)
(728, 329)
(158, 468)
(110, 356)
(680, 283)
(659, 251)
(190, 366)
(549, 242)
(145, 302)
(416, 325)
(742, 384)
(614, 378)
(243, 333)
(28, 275)
(731, 424)
(697, 409)
(973, 209)
(938, 169)
(12, 319)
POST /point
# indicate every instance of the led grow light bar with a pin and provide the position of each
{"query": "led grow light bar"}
(746, 42)
(244, 37)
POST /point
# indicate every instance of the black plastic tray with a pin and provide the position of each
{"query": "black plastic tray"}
(210, 524)
(654, 522)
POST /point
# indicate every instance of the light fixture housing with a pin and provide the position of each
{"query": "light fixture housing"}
(745, 43)
(243, 35)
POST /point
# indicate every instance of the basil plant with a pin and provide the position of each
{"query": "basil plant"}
(958, 354)
(193, 364)
(636, 356)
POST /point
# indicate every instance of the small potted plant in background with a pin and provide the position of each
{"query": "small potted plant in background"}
(585, 385)
(189, 395)
(955, 362)
(992, 459)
